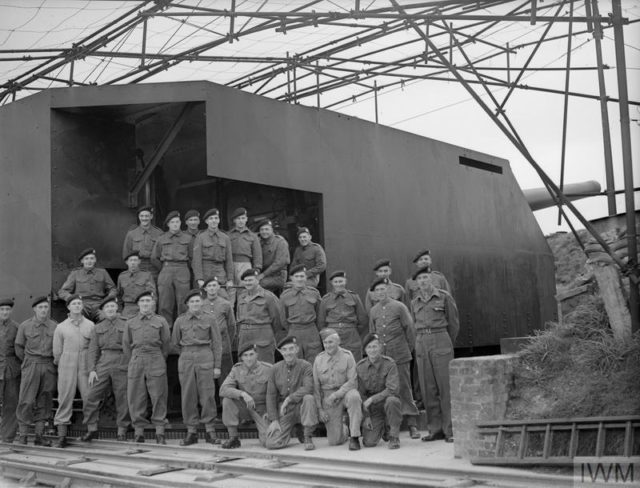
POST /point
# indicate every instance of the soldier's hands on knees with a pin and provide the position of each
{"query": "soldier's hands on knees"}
(216, 372)
(283, 407)
(248, 399)
(323, 415)
(273, 427)
(367, 403)
(93, 377)
(332, 399)
(366, 423)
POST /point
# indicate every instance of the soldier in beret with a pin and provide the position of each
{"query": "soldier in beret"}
(34, 347)
(146, 340)
(225, 319)
(244, 394)
(258, 317)
(91, 283)
(192, 221)
(311, 256)
(9, 371)
(275, 258)
(70, 351)
(131, 283)
(299, 305)
(142, 238)
(290, 399)
(107, 371)
(342, 310)
(382, 268)
(212, 255)
(378, 386)
(245, 246)
(197, 336)
(423, 259)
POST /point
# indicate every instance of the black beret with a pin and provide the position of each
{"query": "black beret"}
(245, 348)
(368, 338)
(337, 274)
(424, 269)
(287, 340)
(171, 215)
(145, 208)
(302, 230)
(191, 213)
(145, 293)
(39, 300)
(265, 222)
(297, 268)
(380, 263)
(108, 300)
(326, 332)
(249, 272)
(7, 302)
(71, 298)
(377, 282)
(421, 253)
(209, 280)
(132, 253)
(210, 212)
(191, 294)
(86, 252)
(238, 212)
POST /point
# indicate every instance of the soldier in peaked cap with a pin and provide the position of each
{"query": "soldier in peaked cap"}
(225, 319)
(91, 283)
(342, 310)
(142, 238)
(9, 371)
(131, 283)
(423, 259)
(245, 247)
(310, 255)
(34, 347)
(275, 258)
(382, 268)
(212, 255)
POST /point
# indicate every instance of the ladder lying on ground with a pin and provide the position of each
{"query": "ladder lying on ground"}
(559, 441)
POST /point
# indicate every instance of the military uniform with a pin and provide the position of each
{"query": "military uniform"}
(313, 258)
(93, 285)
(247, 254)
(225, 319)
(197, 336)
(259, 322)
(254, 382)
(146, 340)
(295, 382)
(437, 326)
(275, 259)
(379, 381)
(34, 347)
(107, 359)
(437, 278)
(343, 312)
(130, 285)
(337, 374)
(172, 252)
(212, 256)
(9, 379)
(396, 292)
(142, 240)
(299, 308)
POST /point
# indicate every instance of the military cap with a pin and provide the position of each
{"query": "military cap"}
(7, 302)
(250, 272)
(297, 268)
(191, 213)
(369, 338)
(238, 212)
(132, 253)
(302, 230)
(145, 208)
(39, 300)
(71, 298)
(380, 263)
(171, 215)
(287, 340)
(143, 294)
(108, 300)
(245, 348)
(191, 294)
(86, 252)
(264, 222)
(209, 280)
(421, 253)
(377, 282)
(337, 274)
(326, 332)
(210, 212)
(424, 269)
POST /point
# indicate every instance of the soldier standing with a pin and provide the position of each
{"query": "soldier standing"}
(34, 347)
(423, 259)
(244, 394)
(142, 238)
(212, 255)
(107, 366)
(9, 371)
(225, 319)
(146, 340)
(197, 336)
(275, 258)
(245, 247)
(131, 283)
(342, 310)
(299, 305)
(311, 256)
(395, 291)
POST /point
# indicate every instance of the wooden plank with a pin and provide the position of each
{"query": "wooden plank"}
(600, 440)
(547, 442)
(577, 420)
(523, 441)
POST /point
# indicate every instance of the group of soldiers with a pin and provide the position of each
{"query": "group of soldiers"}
(215, 291)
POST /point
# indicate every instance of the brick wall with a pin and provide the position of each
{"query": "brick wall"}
(480, 389)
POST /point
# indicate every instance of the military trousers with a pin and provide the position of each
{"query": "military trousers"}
(405, 394)
(434, 352)
(72, 376)
(274, 283)
(382, 414)
(262, 336)
(112, 376)
(147, 265)
(238, 269)
(37, 384)
(304, 413)
(91, 309)
(337, 432)
(211, 269)
(147, 373)
(308, 339)
(227, 354)
(349, 338)
(174, 282)
(195, 370)
(129, 310)
(9, 391)
(234, 410)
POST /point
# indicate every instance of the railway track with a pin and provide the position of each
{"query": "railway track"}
(106, 463)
